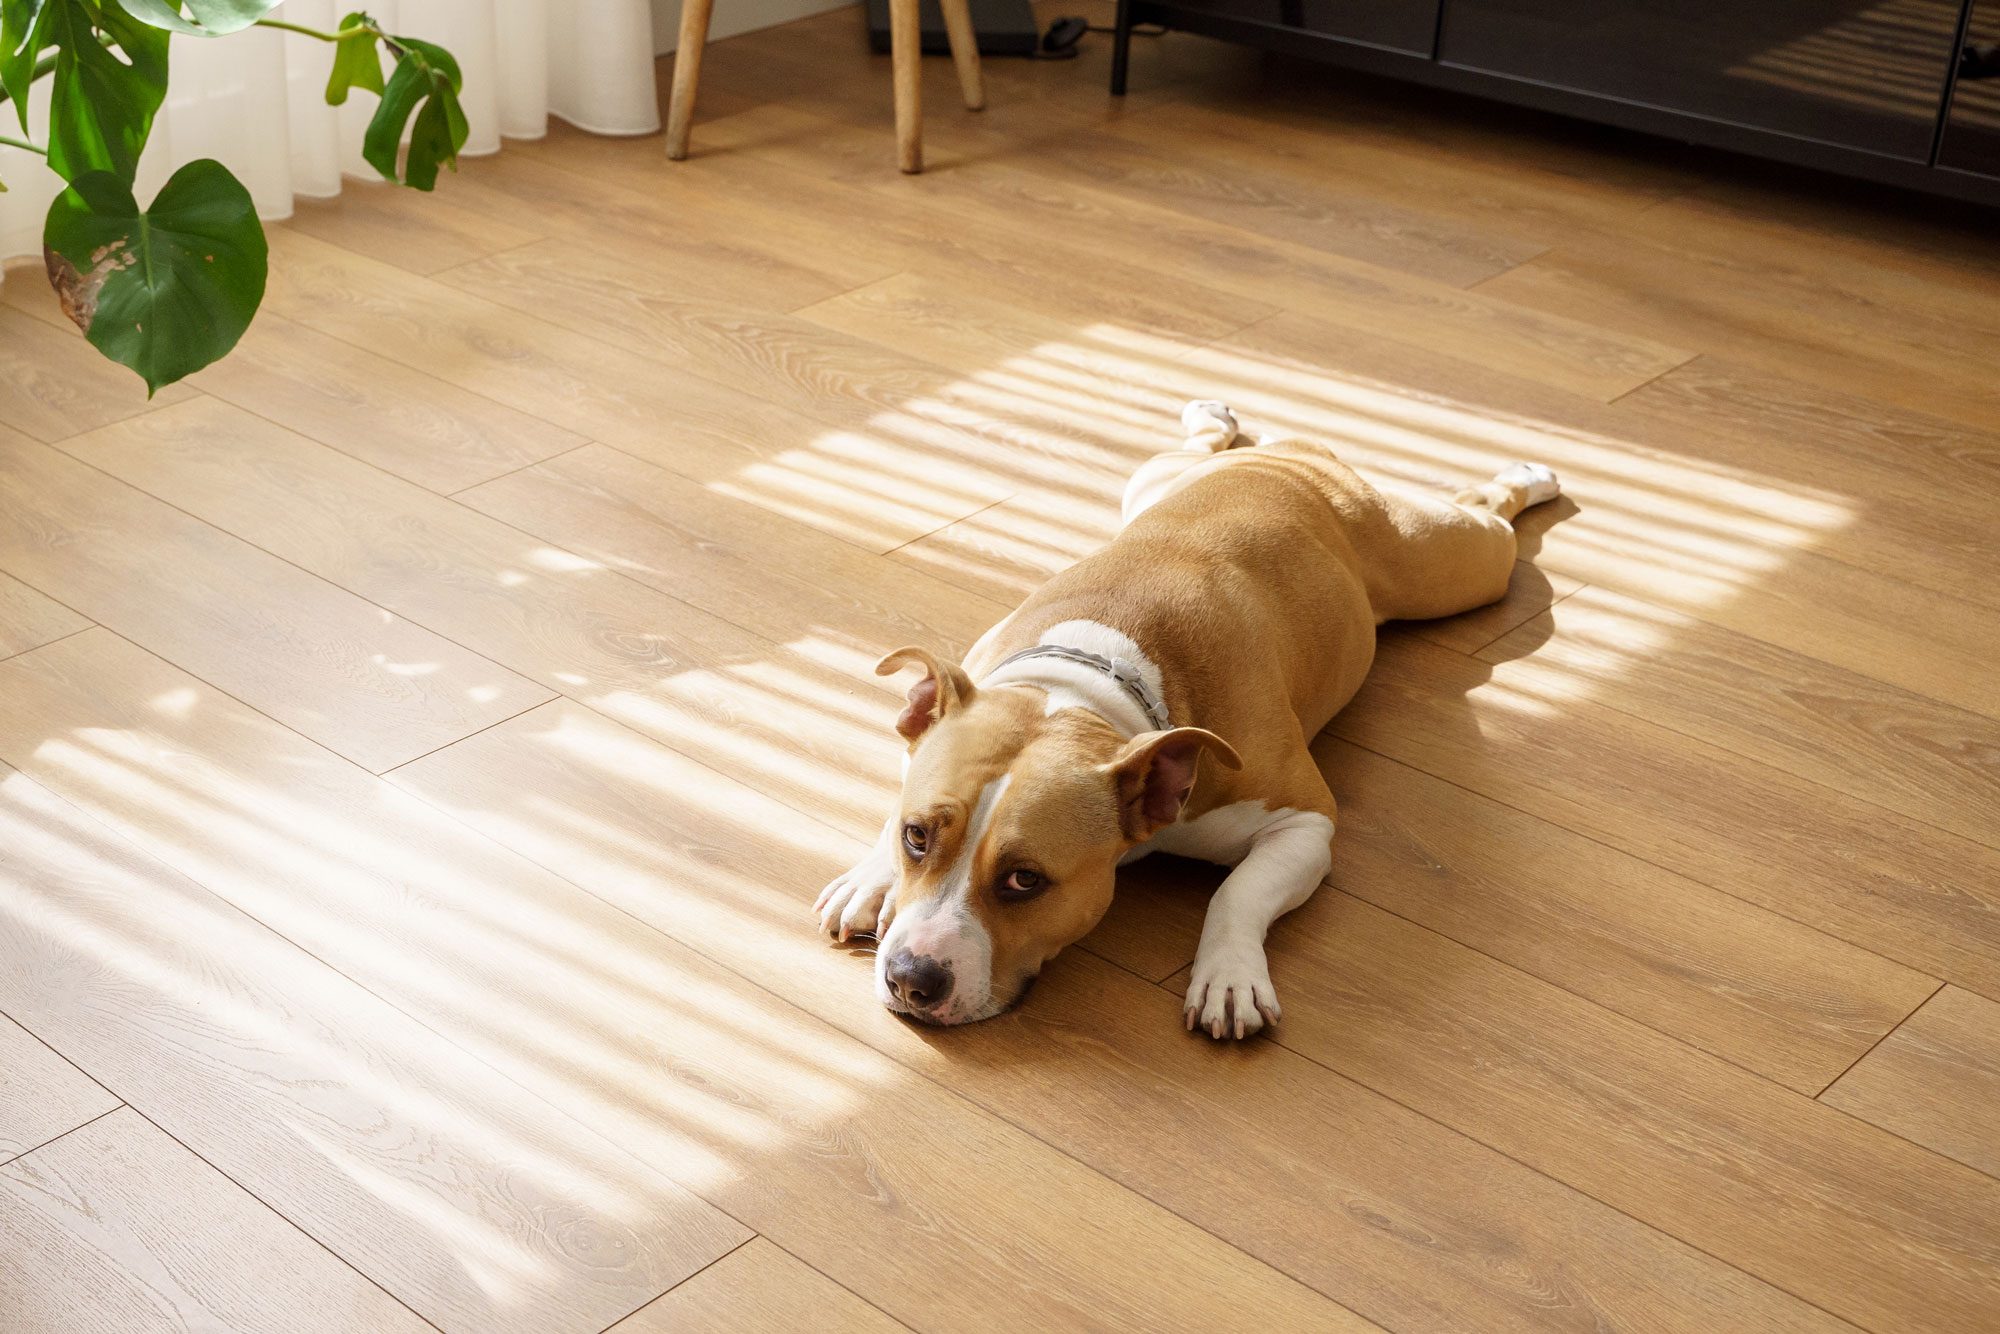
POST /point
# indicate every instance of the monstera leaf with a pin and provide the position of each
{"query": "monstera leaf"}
(101, 107)
(23, 35)
(164, 290)
(426, 82)
(204, 18)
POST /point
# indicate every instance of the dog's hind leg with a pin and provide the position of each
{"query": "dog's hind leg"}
(1210, 428)
(1440, 557)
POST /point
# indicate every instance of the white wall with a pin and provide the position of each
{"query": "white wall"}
(734, 16)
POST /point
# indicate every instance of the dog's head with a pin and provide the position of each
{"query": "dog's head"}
(1012, 823)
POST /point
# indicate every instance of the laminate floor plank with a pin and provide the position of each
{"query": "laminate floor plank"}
(462, 1195)
(568, 622)
(378, 409)
(1563, 177)
(370, 218)
(1935, 1080)
(718, 554)
(757, 1286)
(118, 1227)
(1318, 214)
(29, 619)
(707, 243)
(803, 366)
(1927, 761)
(1532, 737)
(801, 466)
(799, 213)
(1531, 591)
(1922, 476)
(1294, 277)
(336, 667)
(1008, 550)
(1863, 1224)
(41, 1095)
(1712, 970)
(57, 386)
(1913, 345)
(1540, 208)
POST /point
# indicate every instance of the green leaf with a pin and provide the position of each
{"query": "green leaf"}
(206, 18)
(356, 63)
(101, 108)
(426, 84)
(23, 37)
(165, 290)
(436, 137)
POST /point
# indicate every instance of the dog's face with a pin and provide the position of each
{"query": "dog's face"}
(1012, 823)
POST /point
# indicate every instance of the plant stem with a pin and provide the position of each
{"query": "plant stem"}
(12, 142)
(345, 34)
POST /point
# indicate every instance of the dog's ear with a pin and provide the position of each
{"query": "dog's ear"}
(945, 687)
(1155, 773)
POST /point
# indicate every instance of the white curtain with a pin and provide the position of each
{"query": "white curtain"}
(256, 100)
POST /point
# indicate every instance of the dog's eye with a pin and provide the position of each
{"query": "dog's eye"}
(916, 841)
(1022, 884)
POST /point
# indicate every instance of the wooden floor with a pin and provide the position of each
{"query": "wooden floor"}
(422, 737)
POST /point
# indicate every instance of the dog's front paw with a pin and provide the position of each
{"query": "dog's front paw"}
(1230, 992)
(860, 902)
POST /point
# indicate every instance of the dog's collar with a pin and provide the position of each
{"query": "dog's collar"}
(1123, 672)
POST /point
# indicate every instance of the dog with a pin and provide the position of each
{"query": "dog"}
(1160, 695)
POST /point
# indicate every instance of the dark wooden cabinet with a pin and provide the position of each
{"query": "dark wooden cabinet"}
(1901, 91)
(1972, 127)
(1858, 73)
(1408, 26)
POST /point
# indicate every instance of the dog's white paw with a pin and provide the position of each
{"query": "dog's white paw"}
(861, 902)
(1209, 424)
(1539, 480)
(1230, 992)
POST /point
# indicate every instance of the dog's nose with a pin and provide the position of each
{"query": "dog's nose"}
(918, 980)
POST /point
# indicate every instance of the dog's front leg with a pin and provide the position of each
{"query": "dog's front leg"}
(863, 900)
(1230, 992)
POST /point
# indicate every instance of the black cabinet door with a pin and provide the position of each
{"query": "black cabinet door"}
(1397, 25)
(1972, 129)
(1863, 73)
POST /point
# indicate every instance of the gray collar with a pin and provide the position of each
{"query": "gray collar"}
(1118, 669)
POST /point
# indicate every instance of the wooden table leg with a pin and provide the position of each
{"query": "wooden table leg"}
(964, 51)
(906, 54)
(687, 72)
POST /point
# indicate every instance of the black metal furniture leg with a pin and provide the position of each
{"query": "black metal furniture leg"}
(1121, 47)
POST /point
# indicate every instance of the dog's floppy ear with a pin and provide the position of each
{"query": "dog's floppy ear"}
(1155, 773)
(945, 687)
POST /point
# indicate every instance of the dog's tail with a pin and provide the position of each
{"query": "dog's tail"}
(1211, 427)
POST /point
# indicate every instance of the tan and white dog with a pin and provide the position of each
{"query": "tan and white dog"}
(1232, 617)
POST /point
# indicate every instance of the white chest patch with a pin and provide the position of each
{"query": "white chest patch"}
(1224, 835)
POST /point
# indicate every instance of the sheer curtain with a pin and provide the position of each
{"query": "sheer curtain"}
(255, 100)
